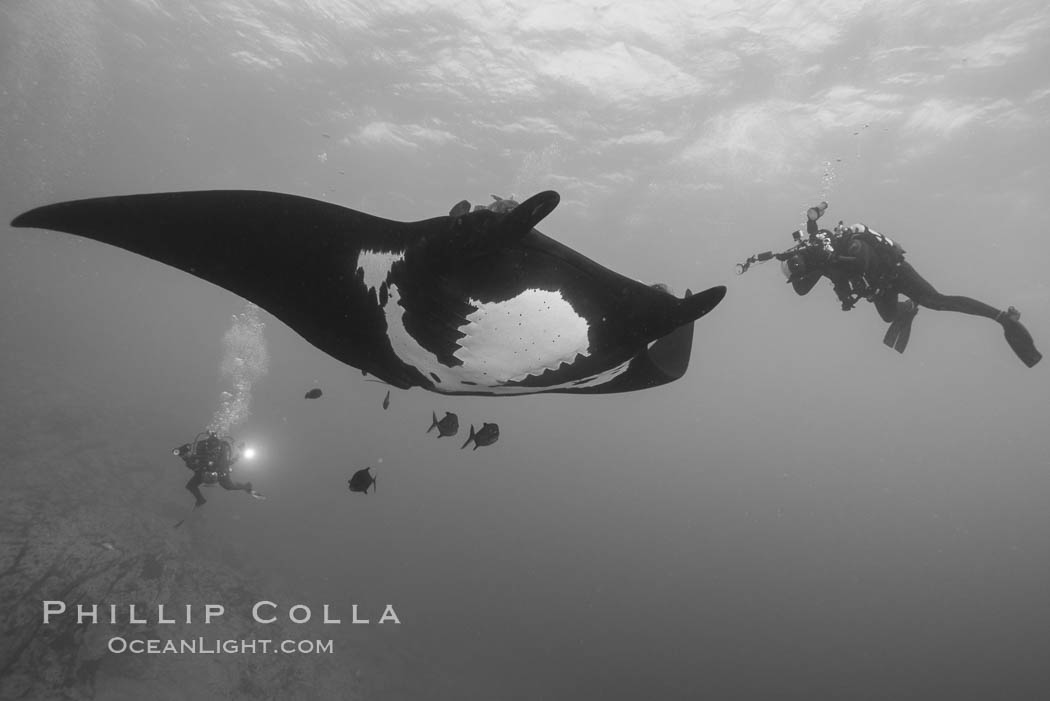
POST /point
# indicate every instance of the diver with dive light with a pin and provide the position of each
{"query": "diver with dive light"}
(211, 459)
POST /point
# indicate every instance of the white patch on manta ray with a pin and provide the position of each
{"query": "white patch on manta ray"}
(376, 266)
(521, 337)
(492, 357)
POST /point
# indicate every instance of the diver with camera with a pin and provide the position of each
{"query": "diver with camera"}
(864, 264)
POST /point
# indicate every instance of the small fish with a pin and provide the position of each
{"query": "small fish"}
(361, 481)
(448, 426)
(386, 401)
(313, 394)
(486, 435)
(108, 546)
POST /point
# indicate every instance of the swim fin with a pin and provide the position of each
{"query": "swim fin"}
(899, 332)
(1018, 337)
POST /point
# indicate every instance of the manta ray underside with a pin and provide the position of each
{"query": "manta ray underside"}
(475, 303)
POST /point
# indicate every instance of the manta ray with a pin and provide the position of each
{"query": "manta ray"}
(476, 303)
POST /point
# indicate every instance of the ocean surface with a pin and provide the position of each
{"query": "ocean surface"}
(806, 514)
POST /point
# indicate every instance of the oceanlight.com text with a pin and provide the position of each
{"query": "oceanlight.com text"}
(216, 646)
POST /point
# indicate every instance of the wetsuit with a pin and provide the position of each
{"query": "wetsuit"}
(865, 264)
(212, 455)
(887, 278)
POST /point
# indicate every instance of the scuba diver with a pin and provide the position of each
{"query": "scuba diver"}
(863, 264)
(211, 458)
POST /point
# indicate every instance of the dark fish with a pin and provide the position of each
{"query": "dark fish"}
(386, 400)
(448, 426)
(362, 480)
(486, 435)
(416, 304)
(313, 394)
